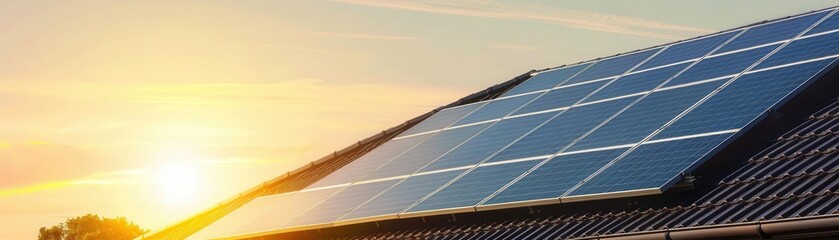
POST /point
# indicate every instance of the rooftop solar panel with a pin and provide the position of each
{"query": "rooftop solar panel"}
(488, 142)
(496, 109)
(637, 82)
(558, 98)
(650, 166)
(441, 119)
(425, 152)
(611, 67)
(339, 204)
(721, 66)
(773, 32)
(398, 198)
(688, 50)
(370, 161)
(625, 125)
(473, 187)
(547, 80)
(645, 116)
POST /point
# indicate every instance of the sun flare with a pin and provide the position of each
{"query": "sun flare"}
(179, 183)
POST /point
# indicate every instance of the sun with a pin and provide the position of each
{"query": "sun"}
(179, 183)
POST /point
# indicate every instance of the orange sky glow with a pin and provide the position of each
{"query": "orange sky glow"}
(156, 110)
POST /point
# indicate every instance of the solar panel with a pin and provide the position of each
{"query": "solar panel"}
(645, 116)
(473, 187)
(687, 50)
(496, 109)
(425, 152)
(721, 66)
(546, 80)
(370, 161)
(611, 67)
(339, 204)
(398, 198)
(558, 98)
(488, 142)
(631, 124)
(441, 119)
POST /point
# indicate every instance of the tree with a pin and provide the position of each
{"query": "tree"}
(91, 227)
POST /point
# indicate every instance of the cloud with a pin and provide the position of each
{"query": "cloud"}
(540, 13)
(362, 36)
(517, 47)
(304, 49)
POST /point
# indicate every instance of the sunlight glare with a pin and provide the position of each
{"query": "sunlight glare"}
(179, 183)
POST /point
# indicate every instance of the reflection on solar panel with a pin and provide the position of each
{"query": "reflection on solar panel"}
(626, 125)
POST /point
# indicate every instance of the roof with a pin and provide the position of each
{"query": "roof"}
(769, 181)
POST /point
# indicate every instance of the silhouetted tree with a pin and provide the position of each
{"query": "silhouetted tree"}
(91, 227)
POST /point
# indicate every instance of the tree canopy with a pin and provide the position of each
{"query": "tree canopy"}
(91, 227)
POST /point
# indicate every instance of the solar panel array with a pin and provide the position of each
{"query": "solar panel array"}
(626, 125)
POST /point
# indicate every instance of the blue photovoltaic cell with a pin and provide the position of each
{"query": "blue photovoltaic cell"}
(646, 116)
(556, 176)
(562, 130)
(425, 152)
(744, 100)
(635, 83)
(562, 97)
(651, 165)
(370, 161)
(721, 66)
(496, 109)
(341, 203)
(546, 80)
(831, 23)
(687, 50)
(804, 49)
(473, 187)
(401, 196)
(772, 32)
(488, 142)
(612, 66)
(441, 119)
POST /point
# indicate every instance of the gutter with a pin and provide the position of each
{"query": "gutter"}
(770, 229)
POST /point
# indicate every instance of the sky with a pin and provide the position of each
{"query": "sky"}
(156, 110)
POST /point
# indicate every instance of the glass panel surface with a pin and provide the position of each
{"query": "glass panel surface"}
(426, 152)
(721, 66)
(441, 119)
(646, 116)
(635, 83)
(546, 80)
(804, 49)
(474, 186)
(401, 196)
(651, 165)
(341, 203)
(562, 97)
(743, 101)
(488, 142)
(831, 23)
(772, 32)
(562, 130)
(612, 67)
(687, 50)
(556, 176)
(496, 109)
(370, 161)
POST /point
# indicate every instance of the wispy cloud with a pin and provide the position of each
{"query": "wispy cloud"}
(540, 13)
(362, 36)
(516, 47)
(305, 49)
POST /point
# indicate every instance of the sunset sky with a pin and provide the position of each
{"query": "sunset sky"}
(156, 110)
